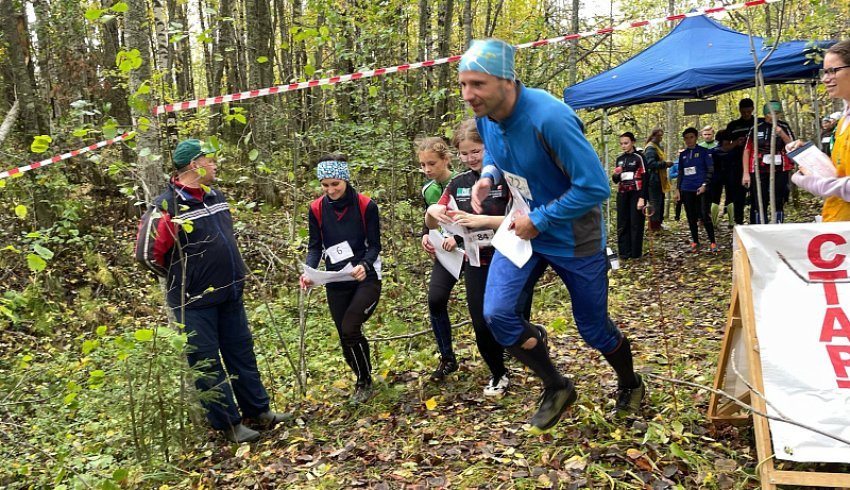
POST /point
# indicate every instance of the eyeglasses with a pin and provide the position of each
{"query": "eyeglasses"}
(830, 72)
(472, 153)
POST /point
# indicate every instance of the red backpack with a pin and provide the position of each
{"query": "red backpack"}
(362, 202)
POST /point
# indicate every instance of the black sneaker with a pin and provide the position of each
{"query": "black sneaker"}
(553, 403)
(362, 393)
(628, 399)
(444, 369)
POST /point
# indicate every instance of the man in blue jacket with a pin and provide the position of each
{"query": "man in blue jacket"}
(187, 237)
(536, 144)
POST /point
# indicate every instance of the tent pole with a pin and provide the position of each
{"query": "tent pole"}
(606, 161)
(816, 106)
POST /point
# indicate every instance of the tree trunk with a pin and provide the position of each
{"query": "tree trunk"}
(19, 58)
(260, 54)
(444, 19)
(424, 79)
(137, 36)
(9, 121)
(574, 18)
(467, 23)
(180, 55)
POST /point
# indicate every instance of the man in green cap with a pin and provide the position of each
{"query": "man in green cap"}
(187, 237)
(758, 158)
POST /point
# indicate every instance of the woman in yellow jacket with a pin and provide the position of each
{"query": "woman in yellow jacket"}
(836, 77)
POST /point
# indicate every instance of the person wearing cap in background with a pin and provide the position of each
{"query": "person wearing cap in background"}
(758, 158)
(535, 143)
(187, 237)
(827, 137)
(345, 230)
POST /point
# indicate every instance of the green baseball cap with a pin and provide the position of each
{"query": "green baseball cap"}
(775, 104)
(189, 150)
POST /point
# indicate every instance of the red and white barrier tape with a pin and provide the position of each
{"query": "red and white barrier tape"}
(65, 156)
(191, 104)
(251, 94)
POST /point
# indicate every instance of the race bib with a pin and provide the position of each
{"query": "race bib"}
(690, 170)
(627, 176)
(482, 238)
(520, 184)
(776, 160)
(339, 252)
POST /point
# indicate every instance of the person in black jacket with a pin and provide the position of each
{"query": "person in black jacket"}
(631, 178)
(470, 150)
(345, 229)
(187, 236)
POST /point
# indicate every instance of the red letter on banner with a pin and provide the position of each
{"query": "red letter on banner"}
(838, 363)
(827, 332)
(815, 247)
(829, 289)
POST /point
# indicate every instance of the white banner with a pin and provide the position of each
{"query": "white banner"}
(801, 296)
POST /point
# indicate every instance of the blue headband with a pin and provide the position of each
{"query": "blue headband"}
(333, 169)
(491, 56)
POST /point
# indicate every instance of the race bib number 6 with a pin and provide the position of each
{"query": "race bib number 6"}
(339, 252)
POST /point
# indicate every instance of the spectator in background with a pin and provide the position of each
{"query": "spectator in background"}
(758, 158)
(708, 140)
(657, 183)
(727, 176)
(836, 78)
(827, 125)
(630, 176)
(741, 127)
(695, 171)
(724, 160)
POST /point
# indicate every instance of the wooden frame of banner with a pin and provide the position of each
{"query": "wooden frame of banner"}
(742, 321)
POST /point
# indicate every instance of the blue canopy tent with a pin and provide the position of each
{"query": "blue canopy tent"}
(698, 58)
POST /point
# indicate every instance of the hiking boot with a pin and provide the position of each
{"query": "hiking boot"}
(362, 393)
(239, 434)
(553, 402)
(628, 399)
(444, 369)
(268, 419)
(497, 387)
(694, 247)
(712, 248)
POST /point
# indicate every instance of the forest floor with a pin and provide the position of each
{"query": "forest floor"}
(672, 304)
(413, 433)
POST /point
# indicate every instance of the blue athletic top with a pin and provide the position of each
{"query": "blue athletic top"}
(695, 168)
(540, 149)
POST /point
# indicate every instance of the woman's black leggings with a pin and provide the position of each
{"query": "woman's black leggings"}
(351, 304)
(491, 351)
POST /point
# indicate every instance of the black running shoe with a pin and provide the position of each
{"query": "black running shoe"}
(553, 403)
(444, 369)
(628, 399)
(362, 393)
